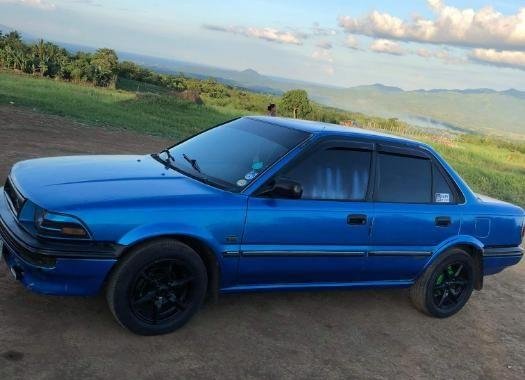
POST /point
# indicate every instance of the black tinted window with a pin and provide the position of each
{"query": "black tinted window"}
(234, 154)
(337, 173)
(403, 179)
(442, 192)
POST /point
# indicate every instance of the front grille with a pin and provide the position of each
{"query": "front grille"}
(15, 199)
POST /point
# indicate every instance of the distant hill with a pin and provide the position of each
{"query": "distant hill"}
(499, 112)
(379, 87)
(482, 109)
(5, 29)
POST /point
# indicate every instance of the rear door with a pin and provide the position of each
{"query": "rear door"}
(320, 238)
(415, 210)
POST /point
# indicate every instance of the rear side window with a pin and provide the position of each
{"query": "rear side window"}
(403, 179)
(333, 174)
(441, 191)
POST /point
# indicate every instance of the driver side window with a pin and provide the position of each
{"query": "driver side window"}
(335, 173)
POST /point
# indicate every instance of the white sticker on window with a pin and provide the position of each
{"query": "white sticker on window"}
(442, 198)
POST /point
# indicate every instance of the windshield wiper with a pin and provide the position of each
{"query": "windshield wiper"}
(168, 154)
(192, 162)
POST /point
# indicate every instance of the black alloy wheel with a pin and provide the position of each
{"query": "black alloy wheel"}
(161, 290)
(157, 287)
(446, 285)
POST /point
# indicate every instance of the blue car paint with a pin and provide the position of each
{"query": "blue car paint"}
(75, 277)
(260, 244)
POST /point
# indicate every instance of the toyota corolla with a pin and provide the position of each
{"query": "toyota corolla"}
(255, 204)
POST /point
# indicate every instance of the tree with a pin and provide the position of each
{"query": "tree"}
(128, 70)
(296, 102)
(105, 64)
(80, 69)
(48, 58)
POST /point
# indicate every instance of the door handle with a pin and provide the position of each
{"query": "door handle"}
(356, 219)
(443, 221)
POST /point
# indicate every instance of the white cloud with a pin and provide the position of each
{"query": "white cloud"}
(441, 54)
(351, 42)
(41, 4)
(317, 30)
(322, 55)
(324, 45)
(515, 59)
(328, 70)
(484, 28)
(387, 47)
(425, 53)
(268, 34)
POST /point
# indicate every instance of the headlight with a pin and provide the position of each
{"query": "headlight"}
(59, 225)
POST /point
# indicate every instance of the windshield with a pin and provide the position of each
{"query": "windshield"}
(232, 155)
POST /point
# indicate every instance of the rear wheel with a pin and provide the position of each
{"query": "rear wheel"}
(157, 288)
(446, 285)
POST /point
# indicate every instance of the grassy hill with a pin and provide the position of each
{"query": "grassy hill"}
(491, 166)
(143, 112)
(499, 113)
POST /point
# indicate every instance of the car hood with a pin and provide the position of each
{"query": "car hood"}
(66, 183)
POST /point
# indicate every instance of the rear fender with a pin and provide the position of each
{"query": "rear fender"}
(471, 244)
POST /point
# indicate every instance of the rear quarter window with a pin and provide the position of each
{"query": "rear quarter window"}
(441, 191)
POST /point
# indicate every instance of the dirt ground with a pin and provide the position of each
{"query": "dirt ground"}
(354, 334)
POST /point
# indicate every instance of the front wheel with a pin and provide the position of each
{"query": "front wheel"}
(157, 288)
(446, 285)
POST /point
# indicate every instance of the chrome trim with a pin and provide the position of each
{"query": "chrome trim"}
(302, 253)
(400, 253)
(231, 254)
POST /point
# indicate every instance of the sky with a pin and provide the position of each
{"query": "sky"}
(410, 44)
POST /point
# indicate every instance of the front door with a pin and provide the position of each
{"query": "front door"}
(321, 237)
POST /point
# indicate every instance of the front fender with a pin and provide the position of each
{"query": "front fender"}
(154, 230)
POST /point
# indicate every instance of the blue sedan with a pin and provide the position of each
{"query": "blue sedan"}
(255, 204)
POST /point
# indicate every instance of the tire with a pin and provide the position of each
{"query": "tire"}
(438, 292)
(157, 288)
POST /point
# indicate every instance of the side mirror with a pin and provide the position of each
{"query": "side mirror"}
(285, 188)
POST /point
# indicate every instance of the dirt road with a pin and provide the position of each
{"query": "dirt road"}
(357, 334)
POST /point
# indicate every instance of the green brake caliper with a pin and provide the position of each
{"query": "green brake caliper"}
(440, 278)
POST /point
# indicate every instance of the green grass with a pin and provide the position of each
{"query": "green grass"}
(134, 86)
(490, 166)
(153, 114)
(488, 169)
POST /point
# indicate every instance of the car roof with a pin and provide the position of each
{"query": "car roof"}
(317, 127)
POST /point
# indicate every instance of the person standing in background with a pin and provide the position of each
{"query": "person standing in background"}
(272, 110)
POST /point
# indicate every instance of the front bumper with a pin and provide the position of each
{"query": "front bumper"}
(68, 277)
(51, 267)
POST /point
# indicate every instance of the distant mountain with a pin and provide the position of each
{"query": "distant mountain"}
(500, 112)
(465, 91)
(515, 93)
(250, 73)
(5, 29)
(379, 87)
(25, 36)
